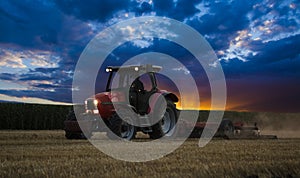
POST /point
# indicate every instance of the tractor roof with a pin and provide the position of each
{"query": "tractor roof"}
(134, 68)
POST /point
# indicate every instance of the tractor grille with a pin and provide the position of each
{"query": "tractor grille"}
(90, 105)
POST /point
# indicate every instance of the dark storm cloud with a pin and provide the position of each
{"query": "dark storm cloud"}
(40, 26)
(179, 11)
(70, 56)
(58, 78)
(223, 21)
(92, 9)
(104, 10)
(64, 28)
(8, 76)
(275, 58)
(225, 17)
(143, 8)
(30, 77)
(48, 74)
(29, 23)
(44, 70)
(57, 88)
(236, 69)
(283, 49)
(163, 6)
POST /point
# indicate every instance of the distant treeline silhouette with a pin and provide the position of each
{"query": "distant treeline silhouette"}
(50, 117)
(32, 116)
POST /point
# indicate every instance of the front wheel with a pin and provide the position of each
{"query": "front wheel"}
(166, 126)
(119, 128)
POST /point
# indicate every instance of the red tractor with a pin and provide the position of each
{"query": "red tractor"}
(132, 95)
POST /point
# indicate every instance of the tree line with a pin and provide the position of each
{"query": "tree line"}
(22, 116)
(32, 116)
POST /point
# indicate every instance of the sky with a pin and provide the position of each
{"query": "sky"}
(256, 42)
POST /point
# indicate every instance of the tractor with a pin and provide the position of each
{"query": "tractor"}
(131, 102)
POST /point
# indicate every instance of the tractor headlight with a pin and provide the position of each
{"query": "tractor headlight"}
(95, 102)
(108, 69)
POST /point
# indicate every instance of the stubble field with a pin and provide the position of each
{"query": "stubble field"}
(49, 154)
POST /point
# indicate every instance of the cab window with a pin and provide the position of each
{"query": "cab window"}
(145, 78)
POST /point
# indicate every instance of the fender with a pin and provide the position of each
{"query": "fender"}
(169, 95)
(155, 98)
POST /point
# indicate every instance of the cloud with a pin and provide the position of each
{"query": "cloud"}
(63, 95)
(279, 20)
(233, 27)
(34, 58)
(92, 9)
(223, 16)
(30, 100)
(32, 76)
(178, 10)
(41, 79)
(184, 70)
(11, 59)
(274, 59)
(7, 76)
(283, 49)
(42, 26)
(40, 47)
(32, 23)
(105, 10)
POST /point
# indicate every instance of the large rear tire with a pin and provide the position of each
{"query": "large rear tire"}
(166, 126)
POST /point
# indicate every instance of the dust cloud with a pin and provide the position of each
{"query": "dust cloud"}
(284, 125)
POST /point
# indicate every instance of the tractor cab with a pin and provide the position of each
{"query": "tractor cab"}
(136, 83)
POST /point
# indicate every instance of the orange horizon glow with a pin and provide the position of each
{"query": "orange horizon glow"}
(206, 105)
(191, 106)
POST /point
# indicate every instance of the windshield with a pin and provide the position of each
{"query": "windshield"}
(119, 80)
